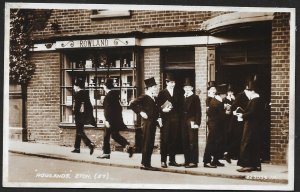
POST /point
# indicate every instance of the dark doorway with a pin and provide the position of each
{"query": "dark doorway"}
(238, 63)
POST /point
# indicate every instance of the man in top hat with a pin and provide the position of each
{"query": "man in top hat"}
(83, 111)
(113, 121)
(216, 115)
(251, 142)
(211, 92)
(170, 102)
(146, 107)
(236, 125)
(190, 123)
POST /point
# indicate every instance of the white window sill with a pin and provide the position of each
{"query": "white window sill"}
(110, 14)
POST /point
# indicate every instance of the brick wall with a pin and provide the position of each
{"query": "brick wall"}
(152, 69)
(201, 80)
(74, 22)
(44, 98)
(280, 87)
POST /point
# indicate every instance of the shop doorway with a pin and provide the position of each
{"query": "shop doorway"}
(236, 64)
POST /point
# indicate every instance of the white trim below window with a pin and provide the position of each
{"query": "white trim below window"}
(110, 14)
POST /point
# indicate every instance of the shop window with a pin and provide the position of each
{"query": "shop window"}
(179, 58)
(102, 13)
(95, 66)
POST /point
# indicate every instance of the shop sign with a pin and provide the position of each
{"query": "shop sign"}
(89, 43)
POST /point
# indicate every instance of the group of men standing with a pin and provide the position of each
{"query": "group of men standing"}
(179, 117)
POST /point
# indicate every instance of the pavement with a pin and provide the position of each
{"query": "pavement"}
(270, 173)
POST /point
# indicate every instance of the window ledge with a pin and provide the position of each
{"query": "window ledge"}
(110, 14)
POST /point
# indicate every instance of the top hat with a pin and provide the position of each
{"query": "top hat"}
(187, 82)
(80, 81)
(211, 84)
(170, 77)
(150, 82)
(109, 83)
(221, 89)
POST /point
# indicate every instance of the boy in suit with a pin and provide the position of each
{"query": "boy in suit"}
(146, 107)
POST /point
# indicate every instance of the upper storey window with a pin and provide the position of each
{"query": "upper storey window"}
(104, 13)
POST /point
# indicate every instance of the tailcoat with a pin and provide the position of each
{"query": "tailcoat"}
(146, 104)
(113, 114)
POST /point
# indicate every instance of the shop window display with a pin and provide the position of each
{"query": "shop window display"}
(95, 66)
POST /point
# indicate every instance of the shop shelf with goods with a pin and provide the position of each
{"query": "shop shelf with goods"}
(95, 66)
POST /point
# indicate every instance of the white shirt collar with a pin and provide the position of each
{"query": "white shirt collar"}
(188, 94)
(150, 95)
(217, 97)
(171, 91)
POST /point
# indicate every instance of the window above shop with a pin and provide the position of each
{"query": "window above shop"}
(245, 54)
(178, 57)
(104, 13)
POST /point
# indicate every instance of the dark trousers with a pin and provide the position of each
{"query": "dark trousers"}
(213, 144)
(190, 145)
(149, 128)
(168, 138)
(80, 134)
(234, 143)
(115, 135)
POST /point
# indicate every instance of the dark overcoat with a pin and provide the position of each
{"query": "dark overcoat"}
(171, 131)
(87, 116)
(191, 112)
(236, 127)
(252, 134)
(215, 123)
(113, 111)
(146, 104)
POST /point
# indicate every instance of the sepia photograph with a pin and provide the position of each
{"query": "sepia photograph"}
(120, 96)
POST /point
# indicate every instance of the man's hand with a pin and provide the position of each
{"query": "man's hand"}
(144, 115)
(106, 124)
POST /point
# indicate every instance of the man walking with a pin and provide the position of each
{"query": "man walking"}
(146, 107)
(83, 111)
(170, 102)
(113, 121)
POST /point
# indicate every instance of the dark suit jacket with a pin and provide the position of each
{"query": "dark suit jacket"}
(87, 116)
(240, 101)
(146, 104)
(192, 109)
(113, 110)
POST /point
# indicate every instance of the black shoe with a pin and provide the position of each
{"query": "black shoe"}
(104, 156)
(209, 165)
(173, 163)
(130, 151)
(227, 158)
(257, 169)
(191, 165)
(76, 151)
(245, 169)
(92, 147)
(218, 163)
(164, 165)
(149, 168)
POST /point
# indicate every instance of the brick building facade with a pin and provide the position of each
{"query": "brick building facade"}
(207, 33)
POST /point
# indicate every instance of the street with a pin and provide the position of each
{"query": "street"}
(24, 168)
